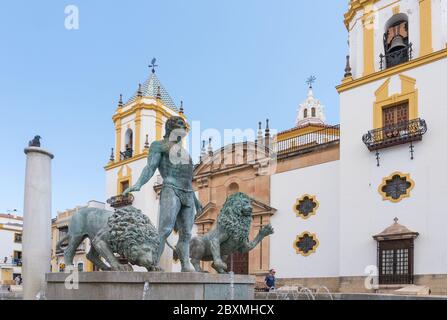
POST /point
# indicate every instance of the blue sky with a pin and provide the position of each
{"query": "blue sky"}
(233, 62)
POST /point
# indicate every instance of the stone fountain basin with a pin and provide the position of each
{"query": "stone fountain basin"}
(159, 286)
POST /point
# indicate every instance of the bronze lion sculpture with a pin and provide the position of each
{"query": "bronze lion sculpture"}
(230, 235)
(126, 232)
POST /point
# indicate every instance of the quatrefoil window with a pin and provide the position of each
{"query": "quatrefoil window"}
(396, 187)
(306, 244)
(306, 206)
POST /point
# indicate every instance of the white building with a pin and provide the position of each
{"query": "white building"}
(381, 204)
(59, 229)
(346, 201)
(10, 248)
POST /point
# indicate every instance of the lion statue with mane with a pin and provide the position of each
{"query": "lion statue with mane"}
(230, 235)
(126, 232)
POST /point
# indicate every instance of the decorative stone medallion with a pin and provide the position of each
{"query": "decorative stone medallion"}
(306, 244)
(306, 206)
(396, 187)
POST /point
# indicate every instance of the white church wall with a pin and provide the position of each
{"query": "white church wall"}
(356, 46)
(363, 213)
(438, 24)
(148, 126)
(321, 181)
(443, 12)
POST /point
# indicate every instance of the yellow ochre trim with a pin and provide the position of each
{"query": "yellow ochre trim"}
(408, 94)
(117, 139)
(418, 62)
(88, 266)
(158, 126)
(368, 40)
(114, 165)
(357, 5)
(396, 10)
(314, 249)
(158, 107)
(425, 14)
(402, 175)
(123, 178)
(298, 132)
(312, 213)
(137, 148)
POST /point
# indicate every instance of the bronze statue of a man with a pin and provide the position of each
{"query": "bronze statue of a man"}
(177, 199)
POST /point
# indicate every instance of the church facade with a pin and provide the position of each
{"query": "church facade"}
(356, 207)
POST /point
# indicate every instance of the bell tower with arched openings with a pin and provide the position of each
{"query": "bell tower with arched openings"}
(392, 117)
(398, 30)
(138, 122)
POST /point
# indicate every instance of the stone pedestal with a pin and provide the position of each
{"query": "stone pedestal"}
(151, 286)
(36, 244)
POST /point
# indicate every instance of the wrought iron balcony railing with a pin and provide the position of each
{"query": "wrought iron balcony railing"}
(121, 201)
(307, 141)
(126, 154)
(397, 57)
(400, 133)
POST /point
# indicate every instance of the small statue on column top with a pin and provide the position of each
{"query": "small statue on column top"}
(35, 142)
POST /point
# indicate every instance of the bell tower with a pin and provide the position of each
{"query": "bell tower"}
(392, 114)
(385, 33)
(311, 111)
(138, 122)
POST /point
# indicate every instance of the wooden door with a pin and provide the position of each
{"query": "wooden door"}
(238, 263)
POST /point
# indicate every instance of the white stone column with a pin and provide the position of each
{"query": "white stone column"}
(36, 221)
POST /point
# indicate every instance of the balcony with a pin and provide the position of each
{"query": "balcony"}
(400, 133)
(12, 264)
(126, 154)
(397, 57)
(307, 142)
(121, 201)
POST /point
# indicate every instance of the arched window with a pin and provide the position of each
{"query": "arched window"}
(314, 112)
(128, 145)
(233, 188)
(396, 42)
(129, 139)
(305, 113)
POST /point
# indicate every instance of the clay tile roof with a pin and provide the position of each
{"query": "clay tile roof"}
(396, 231)
(150, 89)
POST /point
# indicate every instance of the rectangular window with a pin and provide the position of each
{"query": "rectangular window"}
(123, 186)
(17, 258)
(17, 237)
(396, 262)
(63, 231)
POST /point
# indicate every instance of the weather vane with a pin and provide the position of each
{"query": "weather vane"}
(153, 65)
(310, 81)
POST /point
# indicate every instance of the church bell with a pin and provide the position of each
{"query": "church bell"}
(397, 44)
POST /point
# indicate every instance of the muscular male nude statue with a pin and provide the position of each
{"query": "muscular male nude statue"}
(177, 199)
